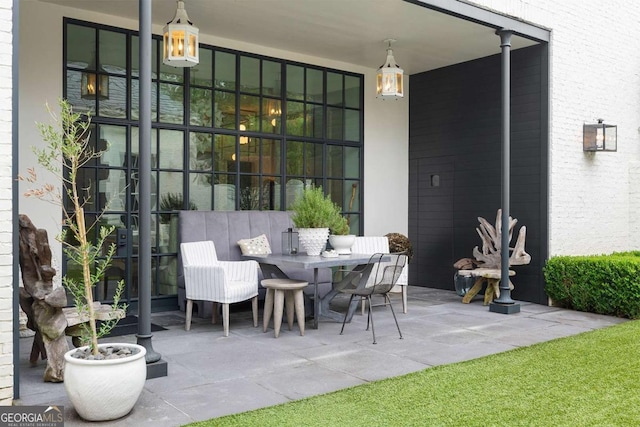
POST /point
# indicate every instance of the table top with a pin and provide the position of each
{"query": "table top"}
(306, 261)
(488, 273)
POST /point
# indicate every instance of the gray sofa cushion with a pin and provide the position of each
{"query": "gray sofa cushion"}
(225, 228)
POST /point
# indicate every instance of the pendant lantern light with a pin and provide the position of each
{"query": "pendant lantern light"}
(180, 40)
(390, 76)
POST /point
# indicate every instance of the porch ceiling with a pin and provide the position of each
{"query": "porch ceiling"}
(351, 31)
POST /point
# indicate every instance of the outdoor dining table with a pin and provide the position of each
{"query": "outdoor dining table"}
(270, 263)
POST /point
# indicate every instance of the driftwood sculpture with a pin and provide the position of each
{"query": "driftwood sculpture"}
(41, 302)
(487, 263)
(491, 236)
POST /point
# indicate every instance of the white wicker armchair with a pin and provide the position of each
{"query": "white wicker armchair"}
(224, 282)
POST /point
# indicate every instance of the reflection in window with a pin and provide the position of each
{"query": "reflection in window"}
(295, 82)
(200, 108)
(352, 91)
(335, 191)
(225, 70)
(171, 103)
(170, 153)
(271, 78)
(249, 74)
(224, 193)
(335, 123)
(250, 112)
(314, 121)
(270, 157)
(295, 118)
(271, 194)
(255, 131)
(334, 161)
(271, 115)
(334, 89)
(314, 85)
(225, 110)
(202, 74)
(224, 153)
(200, 151)
(352, 162)
(352, 125)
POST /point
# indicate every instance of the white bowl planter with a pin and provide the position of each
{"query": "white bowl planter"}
(103, 390)
(342, 243)
(313, 240)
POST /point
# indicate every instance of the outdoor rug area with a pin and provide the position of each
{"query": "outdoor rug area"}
(129, 325)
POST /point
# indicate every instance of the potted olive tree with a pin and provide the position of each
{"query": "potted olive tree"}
(315, 215)
(103, 381)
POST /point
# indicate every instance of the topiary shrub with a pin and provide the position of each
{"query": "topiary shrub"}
(604, 284)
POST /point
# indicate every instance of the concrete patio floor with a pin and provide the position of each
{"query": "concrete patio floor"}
(211, 376)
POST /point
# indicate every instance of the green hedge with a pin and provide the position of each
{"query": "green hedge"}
(604, 284)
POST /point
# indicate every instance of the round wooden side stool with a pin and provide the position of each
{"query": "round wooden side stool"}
(281, 292)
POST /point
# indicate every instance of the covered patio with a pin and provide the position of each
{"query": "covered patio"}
(438, 329)
(212, 376)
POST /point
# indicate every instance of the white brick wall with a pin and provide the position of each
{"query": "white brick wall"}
(595, 73)
(634, 204)
(6, 256)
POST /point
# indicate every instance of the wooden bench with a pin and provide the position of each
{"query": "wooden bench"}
(490, 275)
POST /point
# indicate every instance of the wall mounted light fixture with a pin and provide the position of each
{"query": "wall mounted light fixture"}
(93, 84)
(600, 137)
(390, 77)
(180, 41)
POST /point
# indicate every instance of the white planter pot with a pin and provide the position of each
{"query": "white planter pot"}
(313, 240)
(342, 244)
(103, 390)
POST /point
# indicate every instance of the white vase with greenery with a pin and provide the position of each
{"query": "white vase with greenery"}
(313, 240)
(314, 215)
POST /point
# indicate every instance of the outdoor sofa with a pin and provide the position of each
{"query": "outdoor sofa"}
(225, 229)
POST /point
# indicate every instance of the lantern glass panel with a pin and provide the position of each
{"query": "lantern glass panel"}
(193, 49)
(611, 138)
(177, 43)
(165, 53)
(399, 88)
(589, 137)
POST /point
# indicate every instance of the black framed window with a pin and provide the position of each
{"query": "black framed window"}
(238, 131)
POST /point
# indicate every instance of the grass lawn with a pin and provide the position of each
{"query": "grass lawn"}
(591, 379)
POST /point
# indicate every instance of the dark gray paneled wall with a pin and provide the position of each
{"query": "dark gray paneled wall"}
(454, 170)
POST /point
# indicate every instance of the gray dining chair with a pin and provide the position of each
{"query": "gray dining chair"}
(356, 284)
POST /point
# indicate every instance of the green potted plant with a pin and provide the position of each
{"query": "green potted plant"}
(314, 215)
(103, 381)
(340, 239)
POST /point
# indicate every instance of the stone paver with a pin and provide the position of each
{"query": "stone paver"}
(211, 376)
